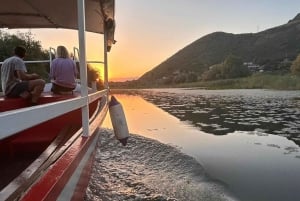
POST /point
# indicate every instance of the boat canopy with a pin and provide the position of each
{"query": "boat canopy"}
(99, 15)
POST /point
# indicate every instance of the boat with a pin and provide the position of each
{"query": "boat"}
(46, 150)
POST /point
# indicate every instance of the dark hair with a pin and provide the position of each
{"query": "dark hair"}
(20, 51)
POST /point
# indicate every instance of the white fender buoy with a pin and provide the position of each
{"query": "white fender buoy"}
(118, 120)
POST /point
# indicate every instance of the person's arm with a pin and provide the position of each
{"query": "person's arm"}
(25, 76)
(21, 71)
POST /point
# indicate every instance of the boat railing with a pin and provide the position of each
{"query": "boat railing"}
(41, 113)
(76, 55)
(48, 61)
(52, 53)
(51, 50)
(75, 52)
(33, 62)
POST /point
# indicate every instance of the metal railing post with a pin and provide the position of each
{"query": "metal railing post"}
(83, 67)
(105, 61)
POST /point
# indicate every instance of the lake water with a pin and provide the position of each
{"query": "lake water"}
(246, 141)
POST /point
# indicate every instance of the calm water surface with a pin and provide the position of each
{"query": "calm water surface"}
(247, 139)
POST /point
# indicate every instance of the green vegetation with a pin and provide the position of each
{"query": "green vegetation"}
(232, 67)
(295, 68)
(34, 51)
(256, 81)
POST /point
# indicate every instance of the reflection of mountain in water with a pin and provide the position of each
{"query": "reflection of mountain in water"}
(219, 114)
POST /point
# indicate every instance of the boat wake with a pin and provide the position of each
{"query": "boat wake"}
(148, 170)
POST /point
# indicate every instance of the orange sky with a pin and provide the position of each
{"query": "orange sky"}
(149, 32)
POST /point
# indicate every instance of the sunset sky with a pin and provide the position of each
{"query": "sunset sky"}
(150, 31)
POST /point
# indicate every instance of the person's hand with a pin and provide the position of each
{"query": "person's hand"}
(35, 76)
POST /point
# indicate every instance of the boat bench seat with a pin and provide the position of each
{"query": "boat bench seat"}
(7, 104)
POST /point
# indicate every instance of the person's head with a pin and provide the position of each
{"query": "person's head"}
(20, 51)
(62, 52)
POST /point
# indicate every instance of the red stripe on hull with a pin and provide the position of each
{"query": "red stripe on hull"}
(84, 179)
(51, 184)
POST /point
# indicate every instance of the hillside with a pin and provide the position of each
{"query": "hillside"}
(267, 48)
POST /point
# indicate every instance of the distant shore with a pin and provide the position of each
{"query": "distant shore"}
(255, 81)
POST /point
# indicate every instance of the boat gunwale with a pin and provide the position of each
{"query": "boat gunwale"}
(40, 166)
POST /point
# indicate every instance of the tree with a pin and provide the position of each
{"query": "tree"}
(33, 47)
(295, 68)
(93, 75)
(233, 67)
(214, 73)
(34, 51)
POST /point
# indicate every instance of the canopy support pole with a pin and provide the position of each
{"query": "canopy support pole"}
(83, 66)
(105, 60)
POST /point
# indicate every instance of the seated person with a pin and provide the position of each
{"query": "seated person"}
(16, 82)
(63, 72)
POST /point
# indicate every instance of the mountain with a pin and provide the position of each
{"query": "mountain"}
(267, 48)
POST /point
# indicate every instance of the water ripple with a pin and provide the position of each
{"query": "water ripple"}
(148, 170)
